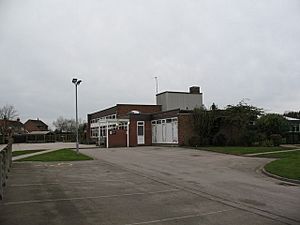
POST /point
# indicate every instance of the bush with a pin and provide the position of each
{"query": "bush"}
(196, 141)
(219, 140)
(276, 139)
(267, 143)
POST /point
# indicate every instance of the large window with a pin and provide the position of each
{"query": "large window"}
(94, 132)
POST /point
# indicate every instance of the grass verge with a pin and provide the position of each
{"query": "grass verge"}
(23, 152)
(58, 155)
(287, 166)
(243, 150)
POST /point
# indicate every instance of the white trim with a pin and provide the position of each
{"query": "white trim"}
(107, 134)
(140, 138)
(160, 132)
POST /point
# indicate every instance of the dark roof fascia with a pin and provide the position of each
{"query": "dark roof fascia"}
(168, 111)
(136, 105)
(103, 110)
(122, 104)
(178, 92)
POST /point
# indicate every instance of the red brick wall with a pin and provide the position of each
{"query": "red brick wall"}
(185, 128)
(133, 133)
(117, 139)
(148, 133)
(123, 110)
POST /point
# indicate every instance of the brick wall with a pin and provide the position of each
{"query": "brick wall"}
(123, 110)
(133, 133)
(117, 139)
(185, 128)
(166, 114)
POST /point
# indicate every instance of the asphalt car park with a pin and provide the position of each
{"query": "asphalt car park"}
(147, 185)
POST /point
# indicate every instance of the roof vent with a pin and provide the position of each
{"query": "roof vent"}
(135, 112)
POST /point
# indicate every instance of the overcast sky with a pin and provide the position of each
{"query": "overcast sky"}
(233, 50)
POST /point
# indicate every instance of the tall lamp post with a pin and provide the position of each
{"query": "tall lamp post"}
(76, 82)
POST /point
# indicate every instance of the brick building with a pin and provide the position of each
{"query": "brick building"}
(13, 126)
(167, 122)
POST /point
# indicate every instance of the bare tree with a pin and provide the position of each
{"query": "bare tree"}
(8, 112)
(65, 125)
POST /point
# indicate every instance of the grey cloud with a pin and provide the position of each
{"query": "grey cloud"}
(233, 49)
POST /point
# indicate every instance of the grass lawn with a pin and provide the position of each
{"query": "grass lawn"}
(287, 166)
(59, 155)
(23, 152)
(242, 150)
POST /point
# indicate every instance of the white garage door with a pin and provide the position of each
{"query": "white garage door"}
(165, 131)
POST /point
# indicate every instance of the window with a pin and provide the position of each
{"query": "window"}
(122, 126)
(140, 128)
(94, 132)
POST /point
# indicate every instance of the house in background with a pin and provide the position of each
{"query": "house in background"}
(35, 125)
(10, 127)
(167, 122)
(13, 126)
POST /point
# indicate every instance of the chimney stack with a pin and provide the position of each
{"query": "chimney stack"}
(194, 90)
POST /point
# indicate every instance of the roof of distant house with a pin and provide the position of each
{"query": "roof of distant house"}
(291, 119)
(37, 122)
(10, 122)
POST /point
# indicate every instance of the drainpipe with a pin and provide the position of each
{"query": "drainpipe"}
(99, 134)
(106, 134)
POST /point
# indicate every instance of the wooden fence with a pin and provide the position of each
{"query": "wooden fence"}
(5, 165)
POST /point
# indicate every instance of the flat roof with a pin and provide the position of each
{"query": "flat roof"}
(178, 92)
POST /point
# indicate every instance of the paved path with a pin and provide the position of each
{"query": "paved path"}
(15, 158)
(149, 185)
(47, 147)
(274, 152)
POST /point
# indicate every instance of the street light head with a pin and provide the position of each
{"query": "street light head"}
(78, 82)
(74, 80)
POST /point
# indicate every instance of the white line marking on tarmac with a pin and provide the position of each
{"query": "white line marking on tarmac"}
(92, 197)
(180, 217)
(62, 183)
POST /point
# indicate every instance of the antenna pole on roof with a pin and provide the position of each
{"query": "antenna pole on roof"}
(156, 84)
